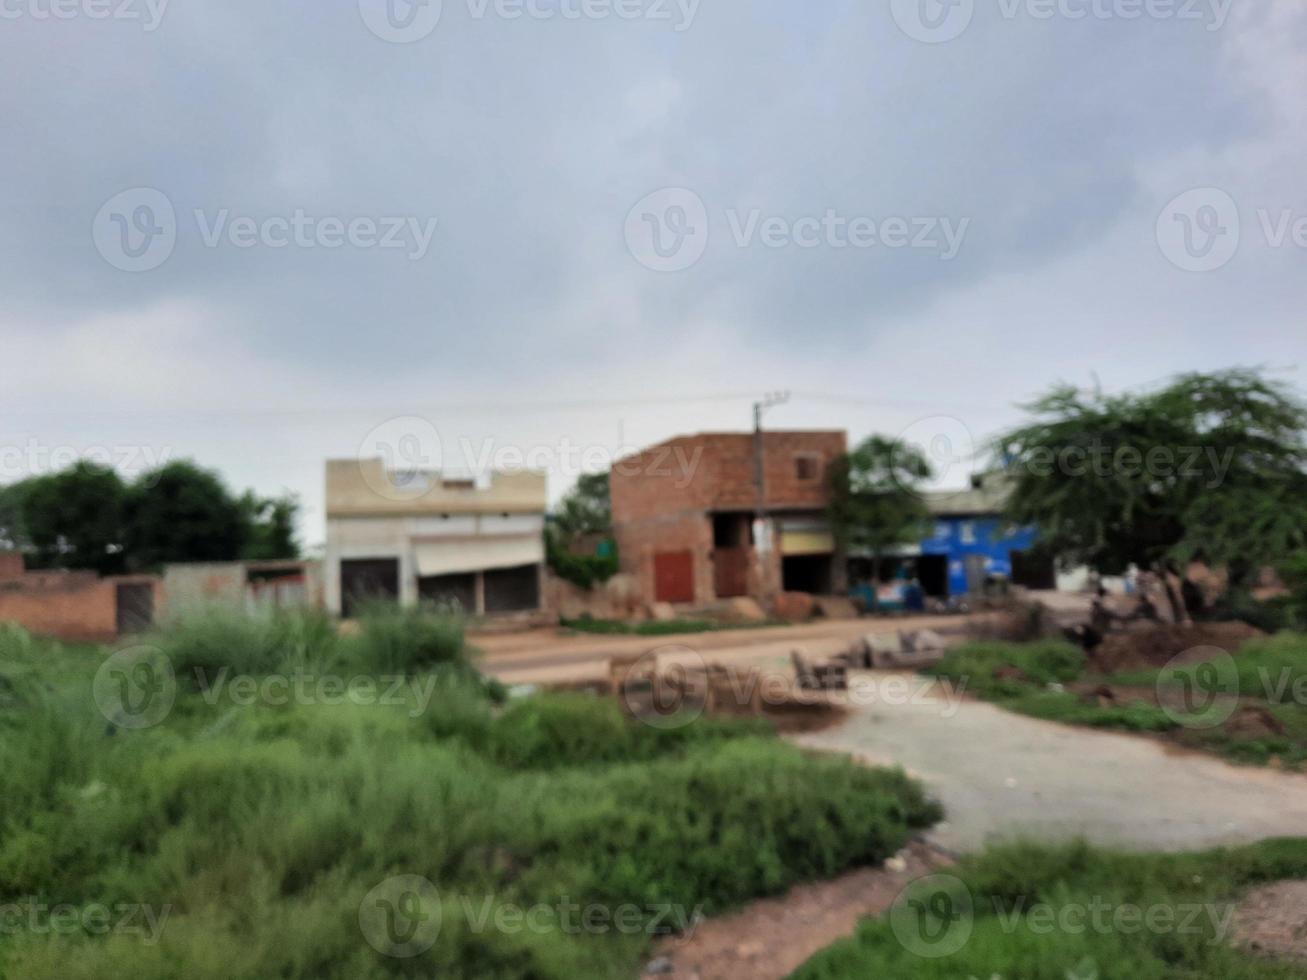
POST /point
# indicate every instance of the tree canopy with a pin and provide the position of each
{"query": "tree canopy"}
(875, 502)
(87, 517)
(1209, 466)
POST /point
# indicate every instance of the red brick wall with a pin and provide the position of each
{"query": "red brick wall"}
(663, 497)
(74, 606)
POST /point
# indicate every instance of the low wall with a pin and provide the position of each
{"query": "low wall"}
(72, 606)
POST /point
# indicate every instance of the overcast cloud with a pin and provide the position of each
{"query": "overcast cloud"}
(444, 227)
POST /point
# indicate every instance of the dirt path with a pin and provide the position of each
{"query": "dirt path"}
(1001, 775)
(546, 656)
(771, 938)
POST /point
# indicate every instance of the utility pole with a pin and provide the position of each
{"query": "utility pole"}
(769, 400)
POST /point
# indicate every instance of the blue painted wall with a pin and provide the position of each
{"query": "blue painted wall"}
(958, 537)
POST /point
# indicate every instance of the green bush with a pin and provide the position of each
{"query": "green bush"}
(202, 645)
(402, 641)
(561, 730)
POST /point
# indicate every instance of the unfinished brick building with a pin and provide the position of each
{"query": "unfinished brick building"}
(684, 515)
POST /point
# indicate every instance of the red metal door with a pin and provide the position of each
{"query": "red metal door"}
(674, 576)
(731, 572)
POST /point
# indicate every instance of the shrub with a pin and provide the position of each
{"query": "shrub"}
(977, 665)
(202, 645)
(398, 641)
(561, 730)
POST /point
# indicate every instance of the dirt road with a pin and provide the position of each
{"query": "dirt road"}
(545, 656)
(1000, 775)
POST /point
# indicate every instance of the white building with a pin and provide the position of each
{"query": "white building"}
(421, 535)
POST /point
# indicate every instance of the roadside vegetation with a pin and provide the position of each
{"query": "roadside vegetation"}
(661, 627)
(1029, 910)
(1266, 723)
(253, 830)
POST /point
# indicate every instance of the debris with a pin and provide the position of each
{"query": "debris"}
(819, 677)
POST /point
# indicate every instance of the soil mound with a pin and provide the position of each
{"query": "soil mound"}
(1156, 646)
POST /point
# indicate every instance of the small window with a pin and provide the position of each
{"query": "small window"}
(806, 468)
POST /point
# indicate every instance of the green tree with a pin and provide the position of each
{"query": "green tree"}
(875, 501)
(1210, 466)
(269, 526)
(587, 508)
(74, 518)
(13, 534)
(181, 512)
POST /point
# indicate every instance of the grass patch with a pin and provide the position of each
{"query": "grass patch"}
(659, 627)
(1032, 679)
(254, 831)
(1072, 911)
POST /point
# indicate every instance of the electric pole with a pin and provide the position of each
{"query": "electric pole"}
(769, 400)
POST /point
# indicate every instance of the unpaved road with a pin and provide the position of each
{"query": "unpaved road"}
(547, 656)
(1001, 775)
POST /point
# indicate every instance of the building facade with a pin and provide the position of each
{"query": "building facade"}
(685, 516)
(423, 536)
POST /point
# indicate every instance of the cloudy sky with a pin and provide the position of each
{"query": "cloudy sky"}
(262, 234)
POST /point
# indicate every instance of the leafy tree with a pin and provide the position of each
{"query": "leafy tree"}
(269, 526)
(74, 518)
(1209, 466)
(181, 512)
(875, 499)
(587, 508)
(13, 533)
